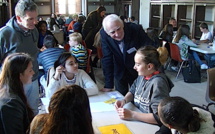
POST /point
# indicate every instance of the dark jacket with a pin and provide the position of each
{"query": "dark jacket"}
(13, 116)
(89, 29)
(93, 23)
(115, 64)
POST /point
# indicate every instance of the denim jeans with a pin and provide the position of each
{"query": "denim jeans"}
(32, 95)
(196, 57)
(210, 58)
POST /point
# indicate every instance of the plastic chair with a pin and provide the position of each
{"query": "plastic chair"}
(210, 92)
(175, 55)
(67, 46)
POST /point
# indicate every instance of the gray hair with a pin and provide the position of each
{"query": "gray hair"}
(109, 19)
(25, 5)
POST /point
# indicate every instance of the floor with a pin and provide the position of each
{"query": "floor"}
(193, 92)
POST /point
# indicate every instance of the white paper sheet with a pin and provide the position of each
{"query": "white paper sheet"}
(115, 95)
(101, 107)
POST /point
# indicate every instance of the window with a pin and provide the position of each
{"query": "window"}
(61, 6)
(68, 6)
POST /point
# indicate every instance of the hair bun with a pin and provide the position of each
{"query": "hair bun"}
(164, 54)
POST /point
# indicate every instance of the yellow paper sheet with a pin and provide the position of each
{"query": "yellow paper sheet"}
(114, 129)
(110, 101)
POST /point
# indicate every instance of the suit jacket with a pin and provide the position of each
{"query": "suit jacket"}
(117, 64)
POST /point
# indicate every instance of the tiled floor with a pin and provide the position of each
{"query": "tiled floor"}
(193, 92)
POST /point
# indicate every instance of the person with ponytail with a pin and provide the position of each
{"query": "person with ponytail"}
(15, 112)
(148, 89)
(177, 113)
(69, 113)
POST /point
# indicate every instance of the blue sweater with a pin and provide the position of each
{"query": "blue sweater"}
(48, 57)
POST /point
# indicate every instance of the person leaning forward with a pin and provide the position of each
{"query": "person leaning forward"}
(120, 42)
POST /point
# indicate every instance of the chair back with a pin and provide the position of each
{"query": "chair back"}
(67, 46)
(50, 74)
(175, 52)
(89, 52)
(99, 52)
(210, 92)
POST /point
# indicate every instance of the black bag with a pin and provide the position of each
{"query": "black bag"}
(191, 73)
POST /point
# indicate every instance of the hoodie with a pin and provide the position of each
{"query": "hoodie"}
(148, 93)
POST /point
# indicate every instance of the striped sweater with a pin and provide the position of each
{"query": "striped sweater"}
(80, 53)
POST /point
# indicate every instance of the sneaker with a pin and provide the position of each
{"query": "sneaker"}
(204, 66)
(174, 68)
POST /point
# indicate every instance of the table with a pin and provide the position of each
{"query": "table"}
(203, 48)
(111, 117)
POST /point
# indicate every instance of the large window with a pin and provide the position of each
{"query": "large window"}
(68, 6)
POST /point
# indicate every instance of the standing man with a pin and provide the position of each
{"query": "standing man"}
(120, 41)
(20, 35)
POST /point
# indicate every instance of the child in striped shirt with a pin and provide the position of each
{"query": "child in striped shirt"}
(78, 50)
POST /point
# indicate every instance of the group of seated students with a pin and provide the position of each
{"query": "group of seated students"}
(69, 88)
(181, 37)
(49, 55)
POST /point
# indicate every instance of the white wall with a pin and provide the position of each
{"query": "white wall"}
(144, 13)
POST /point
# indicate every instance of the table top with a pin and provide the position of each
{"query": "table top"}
(109, 116)
(204, 48)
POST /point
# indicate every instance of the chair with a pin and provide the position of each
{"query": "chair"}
(210, 91)
(89, 52)
(89, 69)
(175, 55)
(67, 46)
(50, 74)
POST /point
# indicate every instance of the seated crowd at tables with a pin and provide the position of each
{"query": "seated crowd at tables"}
(131, 64)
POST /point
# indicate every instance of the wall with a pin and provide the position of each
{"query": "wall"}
(144, 13)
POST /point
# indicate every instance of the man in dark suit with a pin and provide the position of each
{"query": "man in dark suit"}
(120, 42)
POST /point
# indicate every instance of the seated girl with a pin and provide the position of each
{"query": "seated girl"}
(177, 113)
(148, 89)
(15, 112)
(42, 29)
(167, 33)
(182, 39)
(66, 72)
(69, 113)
